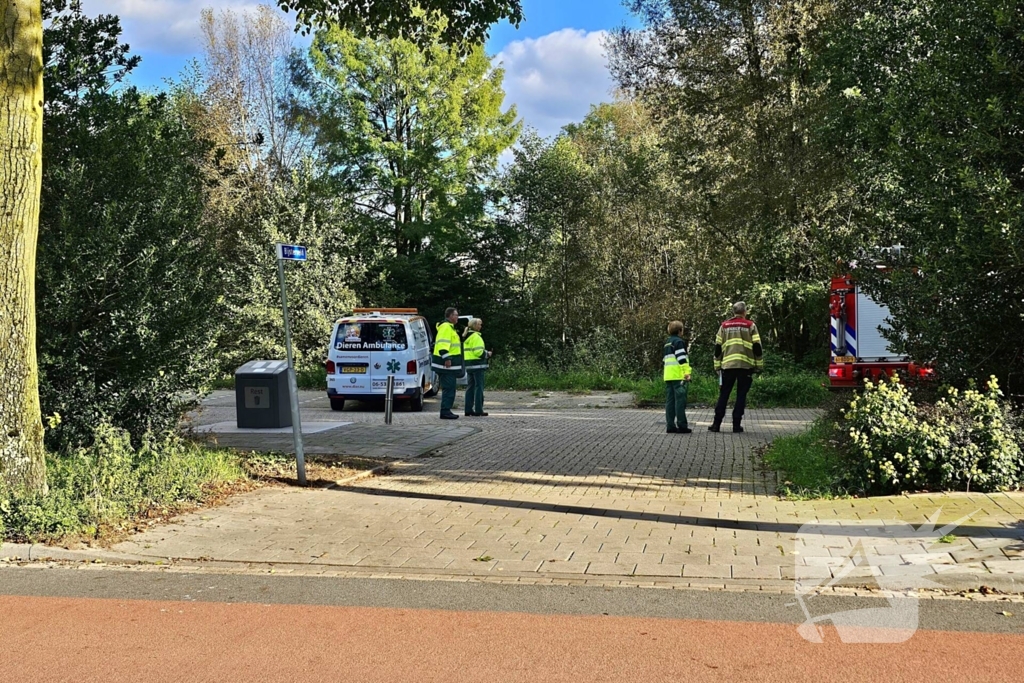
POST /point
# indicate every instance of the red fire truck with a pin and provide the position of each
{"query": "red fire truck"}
(859, 350)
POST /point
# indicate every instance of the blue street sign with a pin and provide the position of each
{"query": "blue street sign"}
(291, 252)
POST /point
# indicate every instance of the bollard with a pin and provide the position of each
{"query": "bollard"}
(389, 400)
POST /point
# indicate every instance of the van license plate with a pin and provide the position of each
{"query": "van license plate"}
(845, 359)
(353, 370)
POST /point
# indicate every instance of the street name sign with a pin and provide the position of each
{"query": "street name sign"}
(291, 252)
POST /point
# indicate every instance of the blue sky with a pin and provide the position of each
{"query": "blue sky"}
(555, 63)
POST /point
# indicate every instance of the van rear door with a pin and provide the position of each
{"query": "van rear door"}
(372, 350)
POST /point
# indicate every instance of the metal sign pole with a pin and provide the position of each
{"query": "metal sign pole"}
(293, 385)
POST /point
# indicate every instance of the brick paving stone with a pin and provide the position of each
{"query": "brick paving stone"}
(1005, 566)
(610, 568)
(570, 567)
(425, 563)
(755, 572)
(519, 565)
(657, 569)
(707, 571)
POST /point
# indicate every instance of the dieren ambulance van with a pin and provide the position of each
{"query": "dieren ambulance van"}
(371, 344)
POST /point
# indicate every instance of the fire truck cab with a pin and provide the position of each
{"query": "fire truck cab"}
(860, 351)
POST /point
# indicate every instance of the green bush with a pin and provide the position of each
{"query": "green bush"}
(105, 485)
(984, 449)
(128, 275)
(966, 440)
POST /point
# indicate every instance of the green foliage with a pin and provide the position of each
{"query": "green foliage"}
(599, 256)
(463, 20)
(966, 440)
(293, 210)
(127, 274)
(925, 107)
(761, 212)
(103, 487)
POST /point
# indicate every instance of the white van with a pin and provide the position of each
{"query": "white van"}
(373, 343)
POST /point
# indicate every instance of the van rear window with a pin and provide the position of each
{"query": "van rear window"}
(371, 336)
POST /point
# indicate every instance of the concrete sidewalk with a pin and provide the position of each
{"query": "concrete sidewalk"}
(595, 496)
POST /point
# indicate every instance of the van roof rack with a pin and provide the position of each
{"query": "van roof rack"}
(386, 310)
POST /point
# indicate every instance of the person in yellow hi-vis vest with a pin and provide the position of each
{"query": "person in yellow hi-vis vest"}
(738, 355)
(677, 380)
(477, 357)
(447, 361)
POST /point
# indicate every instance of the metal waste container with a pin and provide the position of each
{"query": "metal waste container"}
(262, 398)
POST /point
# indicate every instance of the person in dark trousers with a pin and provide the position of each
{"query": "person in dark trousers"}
(738, 355)
(447, 361)
(677, 380)
(477, 357)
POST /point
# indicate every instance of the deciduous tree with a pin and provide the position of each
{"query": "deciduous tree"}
(411, 135)
(22, 461)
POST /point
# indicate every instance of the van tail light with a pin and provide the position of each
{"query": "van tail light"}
(410, 368)
(330, 367)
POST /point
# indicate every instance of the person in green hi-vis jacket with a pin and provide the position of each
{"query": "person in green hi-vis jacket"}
(447, 361)
(677, 380)
(477, 357)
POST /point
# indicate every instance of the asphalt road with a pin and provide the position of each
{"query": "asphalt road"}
(121, 625)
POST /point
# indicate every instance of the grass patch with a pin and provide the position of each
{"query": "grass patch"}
(112, 487)
(786, 389)
(808, 464)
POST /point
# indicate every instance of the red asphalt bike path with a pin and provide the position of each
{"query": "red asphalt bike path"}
(82, 639)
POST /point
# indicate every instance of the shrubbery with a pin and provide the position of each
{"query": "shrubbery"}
(104, 486)
(965, 440)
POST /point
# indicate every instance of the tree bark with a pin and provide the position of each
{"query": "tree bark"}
(22, 462)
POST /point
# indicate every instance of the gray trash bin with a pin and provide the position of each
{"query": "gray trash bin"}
(262, 398)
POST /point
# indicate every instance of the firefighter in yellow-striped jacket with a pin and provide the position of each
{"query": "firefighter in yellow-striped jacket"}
(738, 355)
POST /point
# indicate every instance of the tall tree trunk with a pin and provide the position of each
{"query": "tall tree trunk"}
(21, 140)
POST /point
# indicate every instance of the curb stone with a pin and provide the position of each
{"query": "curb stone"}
(962, 586)
(37, 552)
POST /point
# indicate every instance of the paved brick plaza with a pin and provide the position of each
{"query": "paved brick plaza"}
(549, 489)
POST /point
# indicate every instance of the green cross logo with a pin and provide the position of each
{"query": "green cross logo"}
(393, 366)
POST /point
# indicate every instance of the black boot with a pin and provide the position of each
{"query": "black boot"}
(684, 430)
(449, 416)
(715, 428)
(737, 429)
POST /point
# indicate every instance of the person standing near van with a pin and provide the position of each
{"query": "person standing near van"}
(677, 380)
(477, 357)
(447, 361)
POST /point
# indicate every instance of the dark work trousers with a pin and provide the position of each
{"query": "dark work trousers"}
(675, 403)
(475, 392)
(448, 388)
(742, 379)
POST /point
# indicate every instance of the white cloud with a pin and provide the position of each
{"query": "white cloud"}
(554, 79)
(163, 27)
